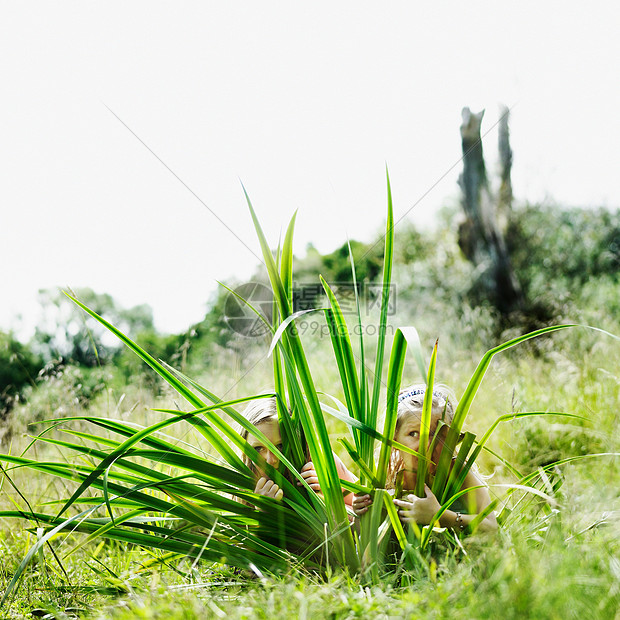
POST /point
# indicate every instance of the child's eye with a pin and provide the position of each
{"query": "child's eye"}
(259, 449)
(413, 434)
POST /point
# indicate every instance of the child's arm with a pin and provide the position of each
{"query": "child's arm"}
(345, 474)
(309, 474)
(422, 509)
(483, 499)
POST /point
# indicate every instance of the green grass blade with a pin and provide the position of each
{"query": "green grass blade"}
(529, 478)
(428, 530)
(455, 482)
(366, 443)
(34, 550)
(128, 430)
(371, 549)
(388, 254)
(355, 487)
(286, 262)
(130, 443)
(284, 325)
(425, 424)
(142, 354)
(291, 430)
(415, 348)
(339, 334)
(251, 453)
(476, 379)
(210, 473)
(370, 432)
(105, 528)
(439, 485)
(395, 373)
(279, 290)
(359, 461)
(461, 465)
(482, 515)
(397, 526)
(170, 378)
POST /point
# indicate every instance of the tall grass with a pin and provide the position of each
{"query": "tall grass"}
(144, 489)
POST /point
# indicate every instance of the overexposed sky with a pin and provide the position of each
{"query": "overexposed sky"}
(304, 103)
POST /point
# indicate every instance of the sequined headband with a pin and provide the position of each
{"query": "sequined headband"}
(406, 395)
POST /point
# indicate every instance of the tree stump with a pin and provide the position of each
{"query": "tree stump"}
(481, 234)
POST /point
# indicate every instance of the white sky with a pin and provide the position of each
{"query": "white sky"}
(305, 103)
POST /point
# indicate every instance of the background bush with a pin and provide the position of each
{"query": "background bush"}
(19, 367)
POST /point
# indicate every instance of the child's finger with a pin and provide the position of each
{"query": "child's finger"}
(307, 466)
(310, 472)
(309, 480)
(403, 504)
(279, 495)
(273, 490)
(362, 500)
(260, 484)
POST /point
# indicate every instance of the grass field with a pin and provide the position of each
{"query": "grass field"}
(555, 556)
(560, 565)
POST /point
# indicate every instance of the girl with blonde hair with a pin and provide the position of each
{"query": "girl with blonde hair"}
(421, 510)
(263, 414)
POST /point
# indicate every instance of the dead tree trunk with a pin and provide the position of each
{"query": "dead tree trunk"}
(505, 162)
(481, 234)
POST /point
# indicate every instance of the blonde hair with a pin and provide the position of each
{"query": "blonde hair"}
(257, 412)
(411, 401)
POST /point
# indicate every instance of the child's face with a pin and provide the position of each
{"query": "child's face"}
(409, 435)
(271, 430)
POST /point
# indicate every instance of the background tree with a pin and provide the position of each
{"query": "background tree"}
(63, 333)
(19, 367)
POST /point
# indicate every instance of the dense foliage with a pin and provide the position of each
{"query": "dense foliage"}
(568, 246)
(19, 367)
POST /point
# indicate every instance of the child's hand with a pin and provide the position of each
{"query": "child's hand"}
(268, 488)
(308, 473)
(419, 510)
(361, 503)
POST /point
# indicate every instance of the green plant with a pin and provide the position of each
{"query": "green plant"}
(148, 491)
(19, 367)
